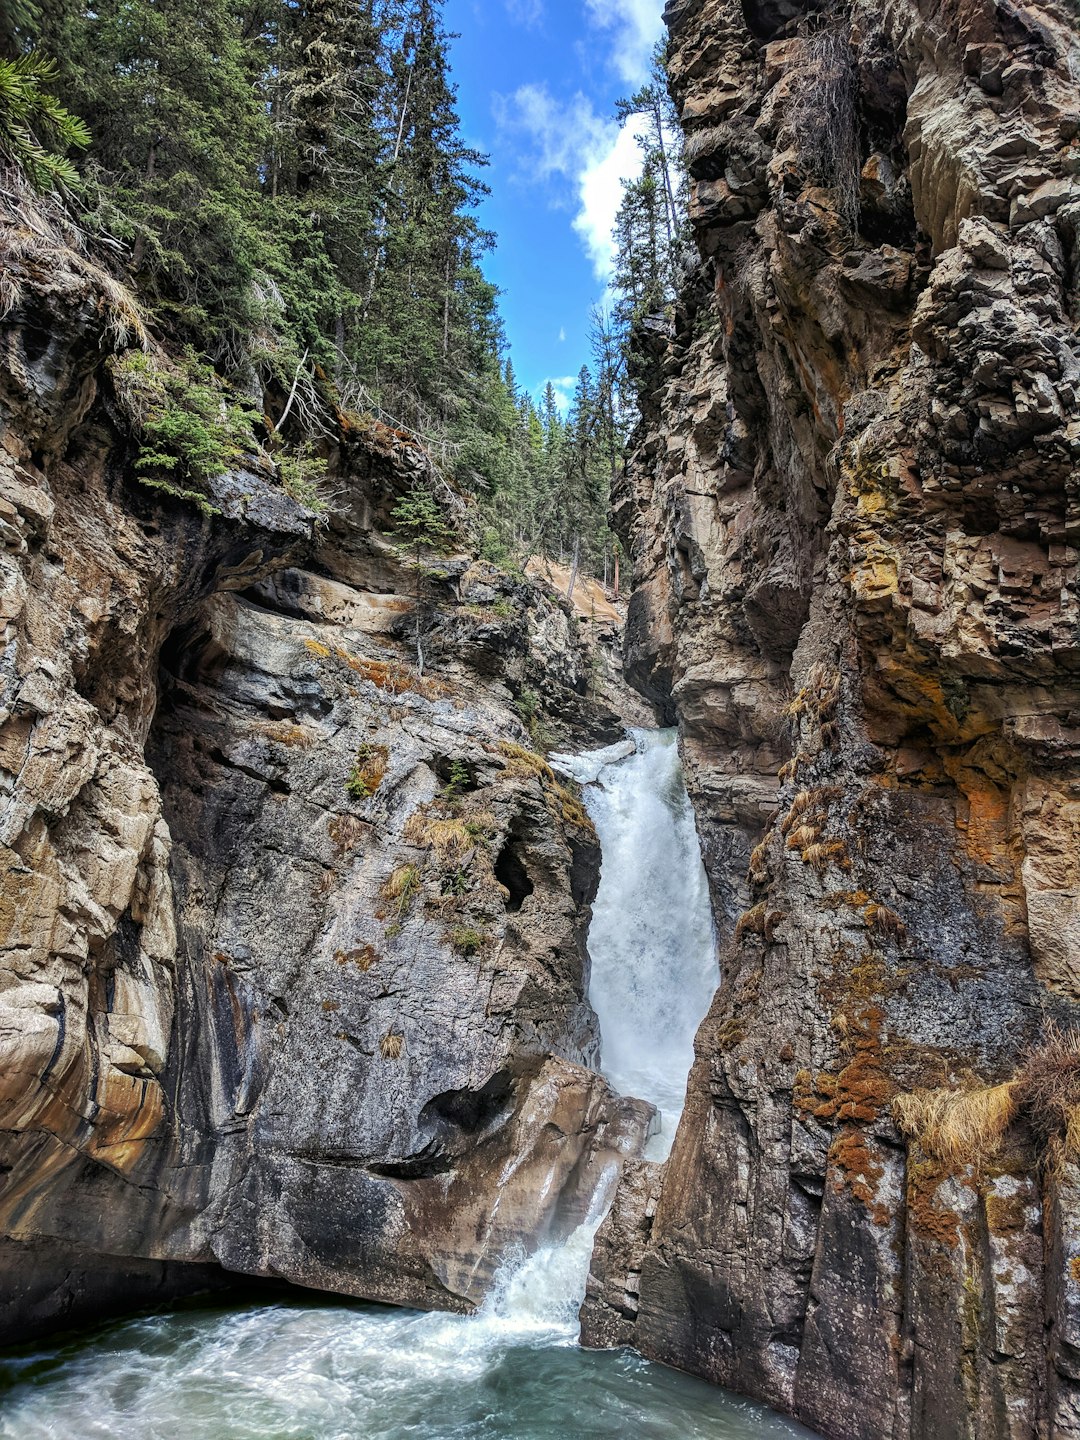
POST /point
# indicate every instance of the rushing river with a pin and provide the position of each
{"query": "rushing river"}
(310, 1370)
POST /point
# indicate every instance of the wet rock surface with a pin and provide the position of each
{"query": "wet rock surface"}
(851, 511)
(293, 967)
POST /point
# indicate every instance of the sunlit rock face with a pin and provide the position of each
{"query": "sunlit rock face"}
(292, 962)
(853, 512)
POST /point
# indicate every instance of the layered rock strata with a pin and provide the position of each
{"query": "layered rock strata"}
(293, 974)
(853, 513)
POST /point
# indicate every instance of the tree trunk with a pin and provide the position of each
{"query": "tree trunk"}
(574, 568)
(139, 248)
(669, 197)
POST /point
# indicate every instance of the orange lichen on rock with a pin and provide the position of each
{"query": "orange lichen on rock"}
(931, 1220)
(855, 1166)
(861, 1089)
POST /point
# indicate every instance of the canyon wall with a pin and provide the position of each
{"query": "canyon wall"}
(853, 512)
(292, 965)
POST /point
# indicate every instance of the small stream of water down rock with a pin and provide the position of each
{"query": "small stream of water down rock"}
(315, 1370)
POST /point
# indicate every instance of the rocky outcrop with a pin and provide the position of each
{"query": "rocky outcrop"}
(852, 509)
(293, 974)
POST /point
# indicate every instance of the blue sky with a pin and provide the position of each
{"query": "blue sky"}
(537, 84)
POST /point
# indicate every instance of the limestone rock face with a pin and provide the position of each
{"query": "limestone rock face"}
(852, 510)
(292, 940)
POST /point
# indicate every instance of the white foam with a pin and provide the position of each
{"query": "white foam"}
(652, 942)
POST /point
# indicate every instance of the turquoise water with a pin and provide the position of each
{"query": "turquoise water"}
(338, 1372)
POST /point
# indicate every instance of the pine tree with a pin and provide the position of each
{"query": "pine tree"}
(422, 528)
(35, 129)
(661, 141)
(169, 91)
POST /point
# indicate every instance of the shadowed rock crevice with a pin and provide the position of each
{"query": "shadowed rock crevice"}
(510, 872)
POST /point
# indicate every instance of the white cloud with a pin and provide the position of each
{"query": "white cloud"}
(600, 191)
(636, 26)
(564, 387)
(570, 142)
(562, 334)
(526, 12)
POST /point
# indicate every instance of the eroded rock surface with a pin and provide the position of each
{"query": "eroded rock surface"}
(852, 510)
(293, 975)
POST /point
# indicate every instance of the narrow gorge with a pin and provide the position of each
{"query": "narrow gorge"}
(439, 998)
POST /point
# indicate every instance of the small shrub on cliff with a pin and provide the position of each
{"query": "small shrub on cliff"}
(188, 428)
(457, 783)
(299, 475)
(422, 528)
(823, 119)
(367, 773)
(467, 941)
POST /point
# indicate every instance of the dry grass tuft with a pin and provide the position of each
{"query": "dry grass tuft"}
(790, 768)
(526, 762)
(958, 1127)
(571, 808)
(824, 853)
(802, 836)
(1048, 1092)
(885, 921)
(346, 831)
(802, 801)
(449, 838)
(391, 1046)
(751, 922)
(394, 678)
(37, 240)
(402, 886)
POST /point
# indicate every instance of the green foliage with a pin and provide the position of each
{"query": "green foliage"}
(300, 474)
(651, 229)
(298, 204)
(421, 527)
(357, 784)
(467, 940)
(35, 129)
(420, 524)
(189, 428)
(458, 782)
(367, 772)
(527, 704)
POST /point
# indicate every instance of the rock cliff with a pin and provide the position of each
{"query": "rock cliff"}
(293, 973)
(852, 509)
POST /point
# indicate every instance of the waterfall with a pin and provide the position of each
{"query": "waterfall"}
(512, 1371)
(652, 943)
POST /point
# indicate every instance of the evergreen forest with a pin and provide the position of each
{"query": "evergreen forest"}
(284, 186)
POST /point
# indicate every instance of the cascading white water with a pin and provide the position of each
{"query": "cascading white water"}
(652, 942)
(512, 1371)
